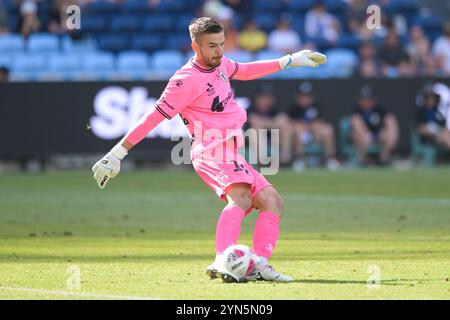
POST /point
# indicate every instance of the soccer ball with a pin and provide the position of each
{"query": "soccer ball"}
(240, 262)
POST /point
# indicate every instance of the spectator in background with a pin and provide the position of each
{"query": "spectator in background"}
(4, 28)
(321, 25)
(4, 74)
(252, 38)
(308, 126)
(367, 64)
(392, 56)
(356, 18)
(29, 21)
(418, 49)
(431, 124)
(283, 38)
(370, 124)
(262, 114)
(441, 50)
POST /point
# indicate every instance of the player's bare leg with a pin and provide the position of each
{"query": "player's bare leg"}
(283, 124)
(324, 133)
(270, 205)
(299, 129)
(388, 138)
(361, 137)
(228, 227)
(444, 138)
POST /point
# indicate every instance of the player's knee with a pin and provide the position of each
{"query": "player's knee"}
(273, 203)
(242, 199)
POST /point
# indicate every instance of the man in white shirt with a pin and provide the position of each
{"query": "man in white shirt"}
(441, 49)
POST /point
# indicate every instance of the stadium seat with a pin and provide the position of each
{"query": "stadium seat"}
(183, 21)
(133, 60)
(240, 56)
(92, 24)
(64, 62)
(161, 22)
(82, 45)
(135, 6)
(335, 6)
(180, 41)
(102, 7)
(125, 23)
(268, 55)
(12, 43)
(341, 62)
(146, 42)
(43, 42)
(5, 60)
(265, 21)
(29, 62)
(171, 5)
(167, 60)
(113, 42)
(300, 6)
(268, 5)
(101, 61)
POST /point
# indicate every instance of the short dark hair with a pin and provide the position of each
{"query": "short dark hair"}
(203, 25)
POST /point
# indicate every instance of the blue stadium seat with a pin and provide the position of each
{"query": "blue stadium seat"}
(300, 5)
(43, 42)
(265, 21)
(98, 62)
(64, 62)
(341, 62)
(161, 22)
(92, 23)
(29, 62)
(336, 6)
(170, 60)
(5, 60)
(113, 42)
(102, 7)
(127, 23)
(240, 56)
(12, 43)
(171, 5)
(298, 23)
(268, 55)
(133, 60)
(146, 42)
(135, 6)
(180, 41)
(349, 40)
(82, 45)
(268, 5)
(183, 21)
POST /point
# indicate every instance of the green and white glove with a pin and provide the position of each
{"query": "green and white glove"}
(109, 166)
(304, 58)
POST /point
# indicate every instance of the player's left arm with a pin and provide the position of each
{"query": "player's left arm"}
(259, 69)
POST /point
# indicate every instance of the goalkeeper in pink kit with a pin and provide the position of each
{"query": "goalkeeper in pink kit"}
(200, 93)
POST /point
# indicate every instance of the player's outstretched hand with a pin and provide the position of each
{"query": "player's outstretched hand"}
(109, 166)
(303, 58)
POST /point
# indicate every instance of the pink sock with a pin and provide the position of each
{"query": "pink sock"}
(228, 227)
(265, 235)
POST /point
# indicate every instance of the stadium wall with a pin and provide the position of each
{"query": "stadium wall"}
(43, 119)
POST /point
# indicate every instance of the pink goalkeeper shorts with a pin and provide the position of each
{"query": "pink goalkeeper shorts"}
(233, 168)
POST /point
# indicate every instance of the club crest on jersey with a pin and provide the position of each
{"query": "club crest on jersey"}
(222, 75)
(210, 89)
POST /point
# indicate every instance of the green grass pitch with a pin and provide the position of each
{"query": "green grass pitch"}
(150, 234)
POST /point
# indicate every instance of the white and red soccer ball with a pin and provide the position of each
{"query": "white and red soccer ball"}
(240, 261)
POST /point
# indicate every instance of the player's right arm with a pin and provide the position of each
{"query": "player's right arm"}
(178, 94)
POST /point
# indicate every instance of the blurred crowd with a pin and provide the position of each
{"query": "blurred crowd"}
(369, 134)
(400, 47)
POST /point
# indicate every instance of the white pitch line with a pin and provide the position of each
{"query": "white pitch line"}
(77, 294)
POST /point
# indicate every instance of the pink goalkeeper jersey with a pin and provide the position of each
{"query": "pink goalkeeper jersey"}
(205, 101)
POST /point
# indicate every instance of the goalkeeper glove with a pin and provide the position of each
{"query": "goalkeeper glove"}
(304, 58)
(109, 166)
